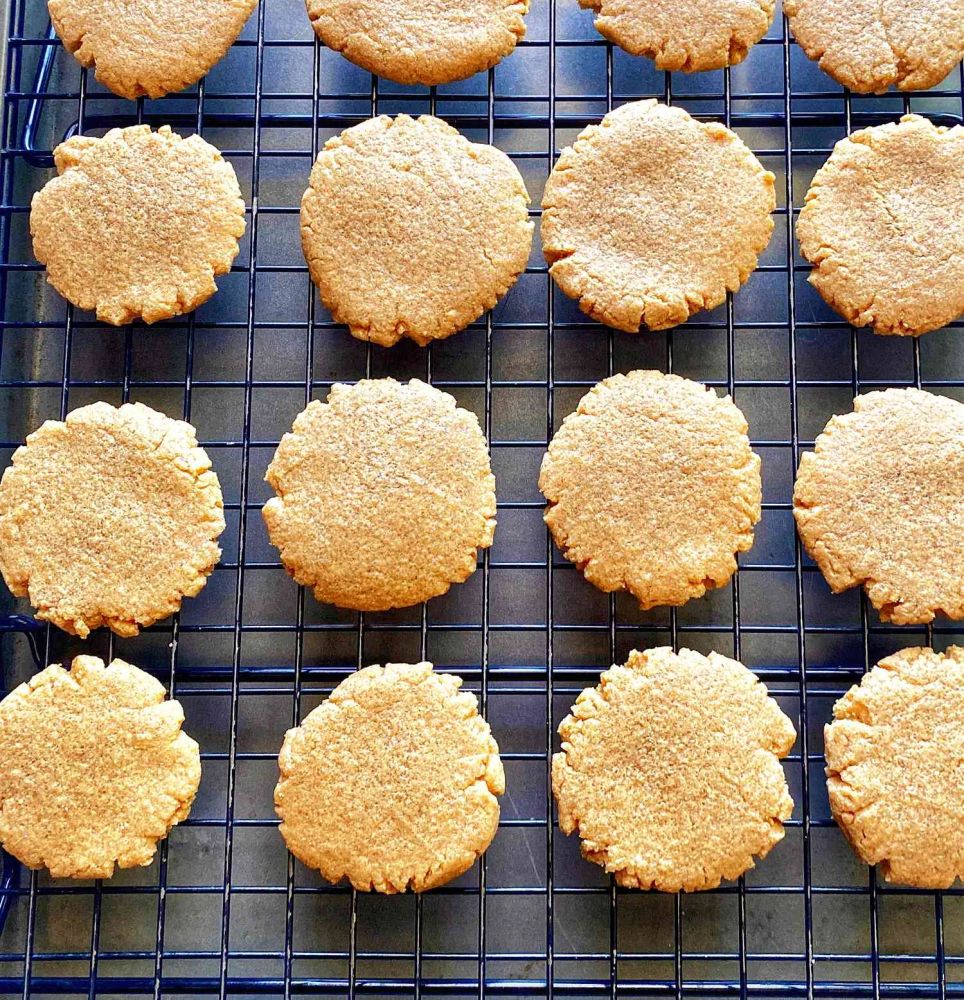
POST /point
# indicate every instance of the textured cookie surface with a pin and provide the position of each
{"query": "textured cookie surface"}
(138, 223)
(410, 230)
(95, 768)
(883, 226)
(894, 767)
(652, 216)
(652, 487)
(392, 782)
(880, 502)
(869, 45)
(140, 47)
(109, 518)
(670, 770)
(431, 42)
(385, 494)
(686, 35)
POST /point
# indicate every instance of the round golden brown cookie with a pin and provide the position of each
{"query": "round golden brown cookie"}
(894, 753)
(410, 230)
(109, 518)
(883, 226)
(869, 45)
(138, 223)
(392, 782)
(652, 216)
(95, 769)
(880, 502)
(670, 770)
(431, 42)
(385, 495)
(652, 487)
(140, 47)
(687, 35)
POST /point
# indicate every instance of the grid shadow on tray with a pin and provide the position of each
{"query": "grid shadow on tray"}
(224, 910)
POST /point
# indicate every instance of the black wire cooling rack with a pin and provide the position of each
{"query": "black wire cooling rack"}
(223, 910)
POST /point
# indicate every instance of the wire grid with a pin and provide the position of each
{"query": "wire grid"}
(224, 910)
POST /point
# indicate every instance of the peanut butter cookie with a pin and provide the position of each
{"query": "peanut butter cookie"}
(144, 48)
(880, 502)
(894, 753)
(392, 783)
(870, 45)
(652, 216)
(95, 769)
(431, 42)
(670, 771)
(109, 518)
(883, 226)
(410, 230)
(138, 223)
(687, 35)
(385, 495)
(652, 487)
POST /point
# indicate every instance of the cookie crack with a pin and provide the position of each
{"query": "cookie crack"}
(886, 33)
(903, 68)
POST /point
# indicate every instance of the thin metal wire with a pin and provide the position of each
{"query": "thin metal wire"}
(289, 948)
(242, 520)
(735, 584)
(939, 942)
(550, 615)
(610, 370)
(164, 849)
(674, 642)
(797, 549)
(64, 396)
(482, 947)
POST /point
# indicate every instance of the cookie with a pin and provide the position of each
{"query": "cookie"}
(410, 230)
(652, 487)
(149, 49)
(687, 35)
(96, 769)
(670, 770)
(894, 753)
(880, 502)
(109, 518)
(138, 223)
(883, 226)
(384, 495)
(870, 45)
(652, 216)
(429, 43)
(392, 782)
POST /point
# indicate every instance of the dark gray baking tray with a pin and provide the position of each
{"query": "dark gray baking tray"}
(223, 910)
